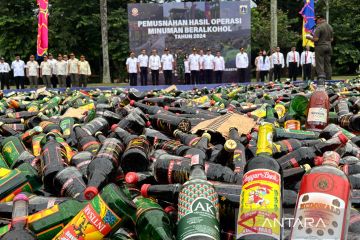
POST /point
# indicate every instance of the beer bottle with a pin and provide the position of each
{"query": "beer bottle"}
(333, 129)
(81, 161)
(152, 110)
(22, 179)
(49, 126)
(154, 136)
(224, 154)
(172, 147)
(282, 133)
(36, 144)
(110, 116)
(175, 169)
(96, 125)
(324, 196)
(66, 126)
(122, 234)
(49, 222)
(262, 177)
(318, 109)
(69, 183)
(27, 136)
(102, 166)
(86, 142)
(6, 130)
(22, 114)
(134, 123)
(12, 148)
(283, 147)
(151, 221)
(169, 123)
(198, 202)
(239, 158)
(103, 215)
(271, 115)
(18, 229)
(52, 160)
(139, 178)
(136, 154)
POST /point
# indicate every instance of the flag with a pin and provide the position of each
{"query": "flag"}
(308, 13)
(42, 37)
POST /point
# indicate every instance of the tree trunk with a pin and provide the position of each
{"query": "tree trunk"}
(104, 40)
(274, 22)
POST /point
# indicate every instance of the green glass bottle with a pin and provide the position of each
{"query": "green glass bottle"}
(22, 179)
(12, 148)
(103, 215)
(48, 222)
(151, 221)
(261, 194)
(198, 203)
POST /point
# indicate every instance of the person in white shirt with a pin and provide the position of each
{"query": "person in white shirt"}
(208, 66)
(143, 61)
(68, 79)
(46, 72)
(187, 70)
(264, 66)
(18, 67)
(4, 73)
(132, 68)
(219, 67)
(201, 62)
(257, 70)
(167, 66)
(242, 64)
(84, 71)
(293, 62)
(53, 62)
(154, 66)
(306, 63)
(194, 64)
(73, 70)
(32, 71)
(61, 71)
(278, 62)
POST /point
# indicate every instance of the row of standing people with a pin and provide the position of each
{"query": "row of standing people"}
(272, 66)
(63, 71)
(190, 69)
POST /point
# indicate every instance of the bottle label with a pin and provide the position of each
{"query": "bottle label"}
(5, 229)
(321, 207)
(65, 126)
(317, 115)
(140, 143)
(10, 152)
(178, 171)
(95, 221)
(24, 188)
(198, 211)
(260, 204)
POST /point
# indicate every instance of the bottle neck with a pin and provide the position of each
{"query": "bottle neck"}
(265, 136)
(197, 172)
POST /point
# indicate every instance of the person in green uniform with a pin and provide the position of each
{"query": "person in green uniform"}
(323, 36)
(180, 59)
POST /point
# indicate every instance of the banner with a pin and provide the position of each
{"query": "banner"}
(218, 26)
(308, 13)
(42, 37)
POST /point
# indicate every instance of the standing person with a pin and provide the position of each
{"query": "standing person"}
(257, 69)
(68, 79)
(279, 63)
(187, 70)
(84, 71)
(167, 66)
(242, 64)
(201, 62)
(292, 61)
(194, 64)
(18, 67)
(132, 69)
(264, 66)
(32, 71)
(53, 66)
(143, 62)
(306, 63)
(180, 59)
(73, 70)
(46, 72)
(61, 71)
(208, 66)
(154, 66)
(219, 67)
(323, 36)
(4, 73)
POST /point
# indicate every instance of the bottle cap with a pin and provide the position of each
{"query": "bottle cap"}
(206, 135)
(331, 158)
(230, 145)
(343, 138)
(113, 127)
(131, 178)
(90, 192)
(144, 190)
(169, 209)
(132, 102)
(21, 197)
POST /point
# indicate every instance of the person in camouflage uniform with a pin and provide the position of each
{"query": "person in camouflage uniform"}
(180, 59)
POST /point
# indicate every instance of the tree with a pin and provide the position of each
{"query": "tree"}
(104, 41)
